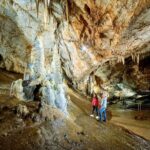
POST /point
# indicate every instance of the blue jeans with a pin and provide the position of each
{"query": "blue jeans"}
(101, 111)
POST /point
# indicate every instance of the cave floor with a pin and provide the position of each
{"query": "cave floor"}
(77, 131)
(109, 130)
(126, 118)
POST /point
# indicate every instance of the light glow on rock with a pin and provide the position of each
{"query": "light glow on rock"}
(83, 48)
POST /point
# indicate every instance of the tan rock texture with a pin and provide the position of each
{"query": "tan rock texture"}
(88, 34)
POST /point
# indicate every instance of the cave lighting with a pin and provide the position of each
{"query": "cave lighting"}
(83, 48)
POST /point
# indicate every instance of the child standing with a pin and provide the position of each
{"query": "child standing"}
(103, 107)
(95, 104)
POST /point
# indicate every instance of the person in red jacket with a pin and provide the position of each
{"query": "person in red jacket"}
(95, 105)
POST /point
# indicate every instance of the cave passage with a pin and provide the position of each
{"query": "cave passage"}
(74, 74)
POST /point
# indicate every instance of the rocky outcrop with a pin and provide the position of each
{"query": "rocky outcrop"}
(32, 53)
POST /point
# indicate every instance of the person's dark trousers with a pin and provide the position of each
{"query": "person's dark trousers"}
(101, 112)
(95, 109)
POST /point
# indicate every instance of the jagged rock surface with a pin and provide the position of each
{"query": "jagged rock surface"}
(88, 36)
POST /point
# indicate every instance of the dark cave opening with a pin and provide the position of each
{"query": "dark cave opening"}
(144, 65)
(36, 93)
(1, 58)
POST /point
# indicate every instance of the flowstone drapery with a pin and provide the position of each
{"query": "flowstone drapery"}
(51, 87)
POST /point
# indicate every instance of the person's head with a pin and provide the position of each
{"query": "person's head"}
(104, 94)
(94, 95)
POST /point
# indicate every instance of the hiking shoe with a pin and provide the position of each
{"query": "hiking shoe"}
(92, 115)
(97, 117)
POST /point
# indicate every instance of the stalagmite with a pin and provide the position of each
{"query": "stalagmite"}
(53, 90)
(24, 75)
(17, 89)
(56, 66)
(37, 57)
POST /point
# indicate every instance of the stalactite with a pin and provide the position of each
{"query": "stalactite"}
(110, 63)
(67, 11)
(45, 16)
(122, 59)
(37, 7)
(118, 59)
(138, 58)
(48, 8)
(132, 56)
(46, 4)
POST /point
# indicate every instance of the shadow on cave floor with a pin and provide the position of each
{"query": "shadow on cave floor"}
(76, 132)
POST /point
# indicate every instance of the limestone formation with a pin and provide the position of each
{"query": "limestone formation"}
(88, 43)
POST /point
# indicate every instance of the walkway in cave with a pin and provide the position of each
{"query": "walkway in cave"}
(126, 118)
(117, 137)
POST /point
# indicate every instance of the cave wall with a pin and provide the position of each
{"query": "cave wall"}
(90, 36)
